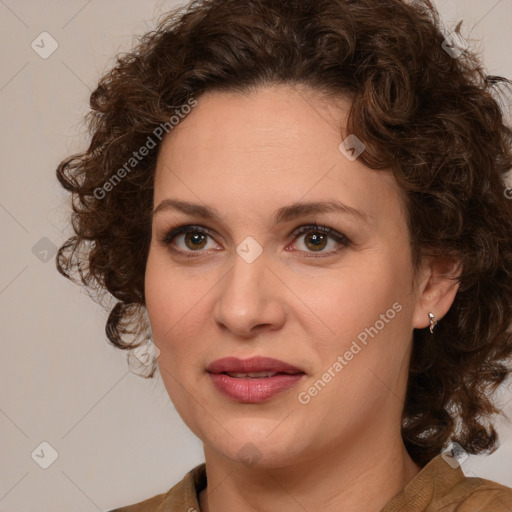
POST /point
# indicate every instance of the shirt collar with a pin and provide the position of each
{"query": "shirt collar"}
(434, 481)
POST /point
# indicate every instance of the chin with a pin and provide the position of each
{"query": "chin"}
(254, 447)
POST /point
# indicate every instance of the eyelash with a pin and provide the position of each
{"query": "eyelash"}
(187, 228)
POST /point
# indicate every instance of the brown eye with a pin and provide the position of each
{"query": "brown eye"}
(195, 240)
(317, 239)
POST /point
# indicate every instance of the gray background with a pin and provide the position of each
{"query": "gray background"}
(118, 438)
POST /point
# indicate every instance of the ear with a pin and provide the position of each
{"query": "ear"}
(436, 289)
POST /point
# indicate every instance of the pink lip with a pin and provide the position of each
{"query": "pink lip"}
(253, 390)
(253, 364)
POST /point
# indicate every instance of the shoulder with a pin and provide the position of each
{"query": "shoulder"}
(148, 505)
(442, 486)
(181, 497)
(474, 494)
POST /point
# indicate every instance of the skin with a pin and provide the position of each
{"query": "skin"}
(246, 156)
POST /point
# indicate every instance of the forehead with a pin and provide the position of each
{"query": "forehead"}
(271, 119)
(268, 147)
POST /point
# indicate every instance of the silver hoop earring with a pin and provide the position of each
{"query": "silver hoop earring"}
(433, 322)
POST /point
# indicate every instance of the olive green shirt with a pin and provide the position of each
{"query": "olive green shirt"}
(437, 487)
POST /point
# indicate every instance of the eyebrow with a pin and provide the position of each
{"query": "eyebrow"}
(284, 214)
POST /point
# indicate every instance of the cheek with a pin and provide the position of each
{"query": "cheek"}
(353, 298)
(176, 309)
(167, 306)
(156, 295)
(164, 302)
(165, 295)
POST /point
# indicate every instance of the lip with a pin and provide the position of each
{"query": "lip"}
(252, 364)
(253, 390)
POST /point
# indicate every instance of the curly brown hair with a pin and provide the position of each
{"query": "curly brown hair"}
(429, 115)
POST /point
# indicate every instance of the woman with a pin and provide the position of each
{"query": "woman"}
(307, 201)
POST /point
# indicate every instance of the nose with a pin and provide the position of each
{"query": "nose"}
(250, 299)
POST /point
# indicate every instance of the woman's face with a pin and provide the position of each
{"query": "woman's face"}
(336, 307)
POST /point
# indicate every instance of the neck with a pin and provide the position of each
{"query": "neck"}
(353, 477)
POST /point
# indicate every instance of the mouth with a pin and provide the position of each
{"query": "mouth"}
(256, 375)
(253, 380)
(254, 367)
